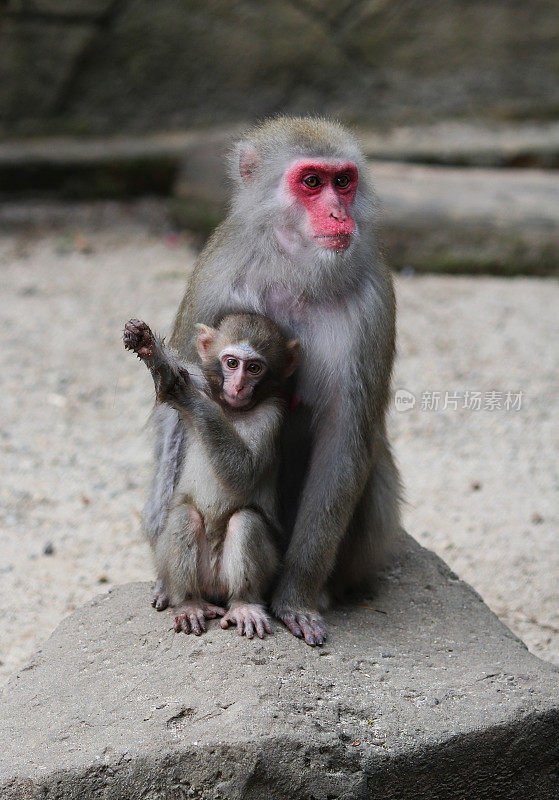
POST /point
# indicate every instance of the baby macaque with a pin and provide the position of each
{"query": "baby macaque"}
(218, 542)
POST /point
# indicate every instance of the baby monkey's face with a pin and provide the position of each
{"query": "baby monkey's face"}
(246, 359)
(242, 369)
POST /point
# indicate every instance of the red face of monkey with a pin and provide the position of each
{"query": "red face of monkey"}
(326, 190)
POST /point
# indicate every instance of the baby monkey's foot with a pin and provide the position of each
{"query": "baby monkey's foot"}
(191, 616)
(137, 336)
(248, 617)
(160, 599)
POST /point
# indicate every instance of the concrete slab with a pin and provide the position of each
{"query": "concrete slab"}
(419, 693)
(452, 219)
(460, 143)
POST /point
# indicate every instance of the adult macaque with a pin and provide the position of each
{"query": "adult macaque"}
(299, 246)
(218, 541)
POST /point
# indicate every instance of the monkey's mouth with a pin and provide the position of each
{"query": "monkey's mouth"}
(237, 402)
(334, 241)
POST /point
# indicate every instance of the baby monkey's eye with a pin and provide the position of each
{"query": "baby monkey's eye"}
(232, 363)
(342, 181)
(312, 181)
(254, 368)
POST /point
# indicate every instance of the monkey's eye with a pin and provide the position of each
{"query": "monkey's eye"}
(232, 363)
(342, 181)
(254, 368)
(312, 181)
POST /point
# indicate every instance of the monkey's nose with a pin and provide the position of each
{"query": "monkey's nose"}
(339, 213)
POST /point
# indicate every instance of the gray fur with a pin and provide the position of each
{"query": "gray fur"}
(341, 307)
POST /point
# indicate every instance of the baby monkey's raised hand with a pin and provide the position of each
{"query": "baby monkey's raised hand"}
(170, 378)
(138, 337)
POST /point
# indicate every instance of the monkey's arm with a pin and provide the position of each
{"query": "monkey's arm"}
(167, 370)
(238, 463)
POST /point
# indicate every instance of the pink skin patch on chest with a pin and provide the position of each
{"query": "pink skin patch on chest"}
(326, 189)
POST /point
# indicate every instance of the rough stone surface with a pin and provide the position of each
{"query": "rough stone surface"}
(461, 143)
(501, 221)
(419, 693)
(67, 9)
(100, 168)
(37, 59)
(148, 65)
(104, 167)
(50, 151)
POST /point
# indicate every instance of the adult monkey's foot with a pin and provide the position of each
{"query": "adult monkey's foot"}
(307, 625)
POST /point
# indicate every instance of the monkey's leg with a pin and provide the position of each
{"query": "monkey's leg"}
(338, 471)
(176, 557)
(248, 564)
(373, 530)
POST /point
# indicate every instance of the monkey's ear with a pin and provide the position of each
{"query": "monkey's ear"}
(248, 161)
(204, 341)
(293, 348)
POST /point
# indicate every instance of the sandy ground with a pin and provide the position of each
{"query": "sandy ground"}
(481, 484)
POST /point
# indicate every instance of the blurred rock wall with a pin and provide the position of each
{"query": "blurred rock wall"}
(98, 66)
